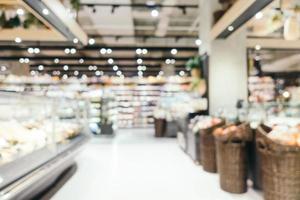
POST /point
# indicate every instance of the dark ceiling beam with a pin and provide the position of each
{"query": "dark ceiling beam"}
(104, 66)
(21, 47)
(140, 5)
(116, 59)
(177, 37)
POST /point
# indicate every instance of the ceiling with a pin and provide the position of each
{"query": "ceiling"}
(122, 26)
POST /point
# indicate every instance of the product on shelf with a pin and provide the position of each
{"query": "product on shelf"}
(261, 89)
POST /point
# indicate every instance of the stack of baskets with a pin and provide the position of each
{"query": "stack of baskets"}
(208, 148)
(232, 157)
(280, 165)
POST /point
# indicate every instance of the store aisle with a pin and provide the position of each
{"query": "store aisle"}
(136, 166)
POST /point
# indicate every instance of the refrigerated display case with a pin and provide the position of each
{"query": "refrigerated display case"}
(39, 137)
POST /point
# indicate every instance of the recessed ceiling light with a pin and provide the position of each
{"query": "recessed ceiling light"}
(103, 51)
(56, 60)
(81, 60)
(95, 67)
(144, 68)
(45, 11)
(174, 51)
(198, 42)
(259, 15)
(84, 76)
(181, 73)
(92, 41)
(119, 73)
(139, 51)
(115, 67)
(67, 50)
(140, 68)
(76, 73)
(21, 60)
(75, 40)
(91, 67)
(3, 68)
(97, 73)
(145, 51)
(32, 73)
(26, 60)
(168, 61)
(20, 11)
(66, 67)
(18, 40)
(154, 13)
(140, 73)
(37, 50)
(139, 61)
(257, 47)
(73, 51)
(65, 76)
(30, 50)
(108, 51)
(230, 28)
(110, 61)
(41, 67)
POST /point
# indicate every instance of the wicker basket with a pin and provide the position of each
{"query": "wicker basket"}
(280, 167)
(232, 162)
(208, 149)
(160, 127)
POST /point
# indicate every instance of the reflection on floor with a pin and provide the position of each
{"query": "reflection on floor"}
(136, 166)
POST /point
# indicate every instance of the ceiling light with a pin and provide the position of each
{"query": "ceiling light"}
(174, 51)
(66, 67)
(144, 51)
(115, 67)
(32, 73)
(3, 68)
(257, 47)
(92, 41)
(181, 73)
(144, 68)
(259, 15)
(56, 60)
(150, 3)
(67, 50)
(122, 76)
(95, 67)
(91, 67)
(230, 28)
(21, 60)
(75, 40)
(81, 60)
(30, 50)
(73, 51)
(97, 73)
(37, 50)
(139, 51)
(154, 13)
(20, 11)
(65, 76)
(119, 73)
(18, 40)
(26, 60)
(198, 42)
(168, 61)
(108, 51)
(140, 73)
(110, 61)
(139, 61)
(76, 73)
(173, 61)
(140, 68)
(45, 11)
(103, 51)
(41, 67)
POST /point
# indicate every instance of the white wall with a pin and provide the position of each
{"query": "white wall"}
(228, 72)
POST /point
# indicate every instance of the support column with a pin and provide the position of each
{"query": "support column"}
(228, 72)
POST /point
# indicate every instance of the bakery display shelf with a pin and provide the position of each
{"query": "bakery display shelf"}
(20, 174)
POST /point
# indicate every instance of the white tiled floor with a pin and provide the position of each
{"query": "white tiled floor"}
(136, 166)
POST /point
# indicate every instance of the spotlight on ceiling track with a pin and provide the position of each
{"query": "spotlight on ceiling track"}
(183, 9)
(94, 9)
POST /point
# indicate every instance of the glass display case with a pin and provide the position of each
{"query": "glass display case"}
(35, 130)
